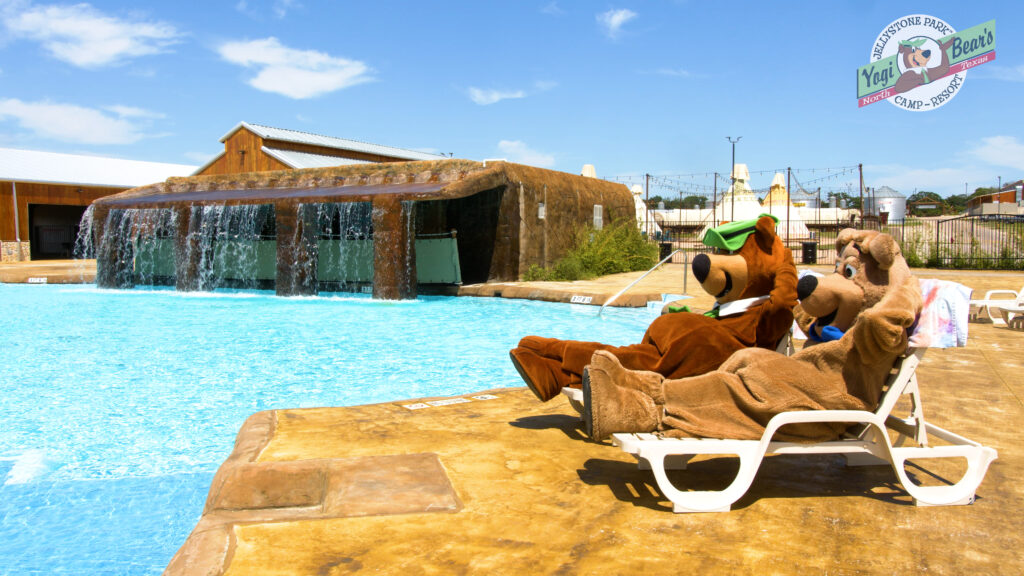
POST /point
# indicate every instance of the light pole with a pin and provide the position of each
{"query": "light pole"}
(732, 174)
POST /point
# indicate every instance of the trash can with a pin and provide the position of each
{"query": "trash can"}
(810, 252)
(665, 250)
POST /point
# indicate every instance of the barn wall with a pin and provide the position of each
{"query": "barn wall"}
(30, 193)
(243, 153)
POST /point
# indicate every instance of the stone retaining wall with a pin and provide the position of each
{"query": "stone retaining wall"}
(9, 252)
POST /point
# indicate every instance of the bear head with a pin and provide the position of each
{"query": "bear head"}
(869, 264)
(760, 266)
(912, 54)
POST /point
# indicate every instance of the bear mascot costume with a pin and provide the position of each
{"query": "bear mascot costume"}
(753, 279)
(871, 300)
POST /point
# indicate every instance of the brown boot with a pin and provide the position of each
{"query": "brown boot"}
(650, 383)
(608, 409)
(534, 370)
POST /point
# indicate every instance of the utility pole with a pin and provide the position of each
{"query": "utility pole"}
(17, 224)
(714, 204)
(647, 207)
(788, 202)
(732, 173)
(860, 168)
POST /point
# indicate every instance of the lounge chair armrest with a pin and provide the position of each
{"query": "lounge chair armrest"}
(990, 293)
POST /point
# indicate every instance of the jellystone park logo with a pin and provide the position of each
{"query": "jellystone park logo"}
(920, 62)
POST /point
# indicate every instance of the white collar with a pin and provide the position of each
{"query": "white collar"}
(738, 306)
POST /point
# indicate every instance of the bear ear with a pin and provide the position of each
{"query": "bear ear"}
(845, 236)
(766, 229)
(884, 249)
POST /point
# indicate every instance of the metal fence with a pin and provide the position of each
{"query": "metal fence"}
(962, 242)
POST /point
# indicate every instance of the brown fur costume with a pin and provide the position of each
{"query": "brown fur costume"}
(753, 385)
(683, 344)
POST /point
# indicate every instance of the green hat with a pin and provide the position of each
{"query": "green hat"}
(733, 235)
(915, 43)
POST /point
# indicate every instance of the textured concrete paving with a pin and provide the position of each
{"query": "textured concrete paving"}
(48, 272)
(503, 484)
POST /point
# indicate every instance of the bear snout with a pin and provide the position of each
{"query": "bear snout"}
(805, 287)
(927, 53)
(701, 267)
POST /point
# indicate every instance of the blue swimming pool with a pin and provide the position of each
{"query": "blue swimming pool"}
(116, 407)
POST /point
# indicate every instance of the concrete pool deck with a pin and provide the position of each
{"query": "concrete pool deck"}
(497, 482)
(48, 272)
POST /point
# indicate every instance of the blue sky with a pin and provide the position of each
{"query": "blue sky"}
(631, 87)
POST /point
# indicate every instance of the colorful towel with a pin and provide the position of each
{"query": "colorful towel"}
(943, 321)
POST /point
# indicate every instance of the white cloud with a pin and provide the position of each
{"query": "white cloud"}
(487, 97)
(552, 9)
(70, 123)
(85, 37)
(676, 72)
(294, 73)
(201, 157)
(997, 72)
(279, 8)
(1003, 151)
(613, 20)
(133, 112)
(906, 179)
(980, 164)
(518, 151)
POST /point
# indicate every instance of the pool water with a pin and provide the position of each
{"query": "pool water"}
(117, 407)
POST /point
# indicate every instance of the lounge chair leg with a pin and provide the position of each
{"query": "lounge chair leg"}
(963, 492)
(706, 500)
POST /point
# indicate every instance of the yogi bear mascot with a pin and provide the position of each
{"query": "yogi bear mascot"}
(868, 306)
(753, 279)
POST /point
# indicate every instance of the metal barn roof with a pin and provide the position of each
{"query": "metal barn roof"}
(56, 168)
(282, 134)
(300, 160)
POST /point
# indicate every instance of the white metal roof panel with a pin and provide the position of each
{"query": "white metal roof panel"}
(300, 160)
(271, 133)
(56, 168)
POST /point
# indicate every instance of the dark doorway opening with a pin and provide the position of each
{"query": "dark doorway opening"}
(53, 229)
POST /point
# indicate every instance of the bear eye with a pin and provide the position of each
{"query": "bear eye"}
(849, 271)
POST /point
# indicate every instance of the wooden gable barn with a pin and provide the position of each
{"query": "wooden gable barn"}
(258, 148)
(484, 222)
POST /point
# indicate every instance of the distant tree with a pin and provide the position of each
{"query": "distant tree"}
(691, 202)
(956, 204)
(983, 191)
(924, 195)
(925, 198)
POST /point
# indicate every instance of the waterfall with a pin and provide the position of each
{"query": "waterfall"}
(345, 261)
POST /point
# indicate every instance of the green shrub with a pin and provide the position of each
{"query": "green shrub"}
(619, 247)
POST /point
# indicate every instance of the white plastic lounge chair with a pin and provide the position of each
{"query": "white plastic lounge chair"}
(1013, 301)
(943, 324)
(871, 445)
(1012, 316)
